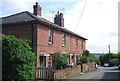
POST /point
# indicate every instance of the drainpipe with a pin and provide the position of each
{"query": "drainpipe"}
(34, 39)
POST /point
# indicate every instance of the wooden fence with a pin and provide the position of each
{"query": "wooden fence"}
(44, 73)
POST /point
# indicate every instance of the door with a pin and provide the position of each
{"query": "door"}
(42, 65)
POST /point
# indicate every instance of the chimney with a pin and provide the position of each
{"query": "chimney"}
(59, 20)
(37, 9)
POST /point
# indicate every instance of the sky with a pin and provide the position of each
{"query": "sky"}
(98, 22)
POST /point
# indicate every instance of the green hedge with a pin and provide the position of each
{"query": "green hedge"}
(60, 61)
(110, 58)
(17, 59)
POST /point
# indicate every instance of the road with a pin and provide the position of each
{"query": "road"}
(103, 73)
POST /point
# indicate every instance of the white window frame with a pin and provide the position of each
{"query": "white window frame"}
(76, 42)
(50, 35)
(63, 39)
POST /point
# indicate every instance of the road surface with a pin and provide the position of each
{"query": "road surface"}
(103, 73)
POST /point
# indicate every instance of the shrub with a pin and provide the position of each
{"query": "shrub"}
(84, 59)
(113, 62)
(17, 59)
(60, 61)
(57, 61)
(108, 58)
(64, 60)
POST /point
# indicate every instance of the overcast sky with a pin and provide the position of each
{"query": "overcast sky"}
(98, 23)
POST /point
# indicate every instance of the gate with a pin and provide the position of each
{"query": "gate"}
(44, 73)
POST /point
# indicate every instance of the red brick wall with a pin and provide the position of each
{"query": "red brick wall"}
(73, 71)
(43, 46)
(67, 72)
(20, 31)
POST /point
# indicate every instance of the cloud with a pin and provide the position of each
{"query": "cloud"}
(98, 23)
(14, 6)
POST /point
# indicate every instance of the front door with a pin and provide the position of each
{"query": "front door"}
(42, 61)
(42, 65)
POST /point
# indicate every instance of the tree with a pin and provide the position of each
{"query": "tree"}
(110, 58)
(86, 53)
(60, 61)
(57, 61)
(17, 58)
(84, 59)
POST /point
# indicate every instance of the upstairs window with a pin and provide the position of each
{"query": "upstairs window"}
(76, 42)
(63, 39)
(82, 44)
(50, 37)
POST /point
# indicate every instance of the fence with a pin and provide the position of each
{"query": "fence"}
(44, 73)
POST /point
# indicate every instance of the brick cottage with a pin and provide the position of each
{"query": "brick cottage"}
(47, 37)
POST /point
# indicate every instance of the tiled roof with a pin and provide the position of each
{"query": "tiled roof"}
(27, 17)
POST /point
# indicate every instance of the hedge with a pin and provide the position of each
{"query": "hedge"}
(17, 59)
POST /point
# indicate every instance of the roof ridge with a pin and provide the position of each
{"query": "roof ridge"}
(15, 14)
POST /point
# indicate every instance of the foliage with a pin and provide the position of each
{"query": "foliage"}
(87, 57)
(113, 62)
(57, 62)
(86, 53)
(119, 58)
(17, 59)
(60, 61)
(84, 59)
(64, 60)
(107, 58)
(93, 58)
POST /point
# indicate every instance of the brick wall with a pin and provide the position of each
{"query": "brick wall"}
(88, 66)
(20, 31)
(68, 72)
(73, 71)
(43, 46)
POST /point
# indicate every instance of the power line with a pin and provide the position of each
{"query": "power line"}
(80, 15)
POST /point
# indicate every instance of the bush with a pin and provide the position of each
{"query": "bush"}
(64, 60)
(84, 59)
(17, 59)
(113, 62)
(108, 58)
(57, 61)
(60, 61)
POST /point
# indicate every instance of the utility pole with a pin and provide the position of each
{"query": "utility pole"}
(109, 48)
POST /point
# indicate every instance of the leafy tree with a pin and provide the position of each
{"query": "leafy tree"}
(60, 61)
(118, 58)
(109, 58)
(84, 59)
(113, 62)
(87, 57)
(86, 53)
(57, 61)
(17, 59)
(64, 60)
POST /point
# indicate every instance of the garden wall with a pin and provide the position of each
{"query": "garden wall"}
(88, 66)
(73, 71)
(68, 72)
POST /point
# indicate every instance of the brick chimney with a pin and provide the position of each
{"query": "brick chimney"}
(37, 9)
(59, 20)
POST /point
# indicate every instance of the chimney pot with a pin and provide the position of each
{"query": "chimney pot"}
(59, 20)
(37, 9)
(36, 3)
(58, 13)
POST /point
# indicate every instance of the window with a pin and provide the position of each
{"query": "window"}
(82, 44)
(63, 39)
(50, 37)
(76, 42)
(50, 61)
